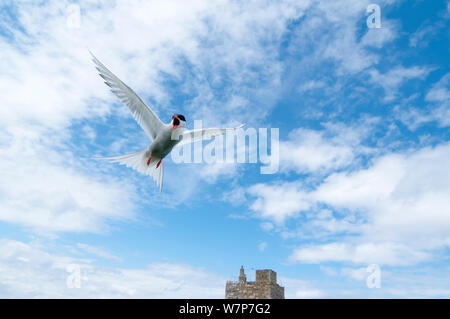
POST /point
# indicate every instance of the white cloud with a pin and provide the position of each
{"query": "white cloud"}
(98, 251)
(47, 191)
(379, 37)
(309, 294)
(440, 92)
(412, 117)
(46, 186)
(330, 271)
(397, 209)
(344, 46)
(367, 253)
(312, 85)
(316, 152)
(403, 194)
(404, 199)
(309, 151)
(339, 20)
(28, 271)
(262, 246)
(212, 172)
(321, 151)
(438, 108)
(423, 35)
(236, 196)
(219, 38)
(358, 274)
(397, 282)
(440, 95)
(300, 289)
(266, 226)
(277, 203)
(392, 80)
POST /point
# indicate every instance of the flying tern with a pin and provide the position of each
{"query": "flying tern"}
(164, 137)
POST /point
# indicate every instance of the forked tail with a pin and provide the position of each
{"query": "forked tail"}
(138, 162)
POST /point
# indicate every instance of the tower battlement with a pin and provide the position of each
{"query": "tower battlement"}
(264, 287)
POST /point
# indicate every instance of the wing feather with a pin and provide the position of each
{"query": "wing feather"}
(192, 136)
(145, 117)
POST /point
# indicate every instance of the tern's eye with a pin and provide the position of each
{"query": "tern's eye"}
(176, 121)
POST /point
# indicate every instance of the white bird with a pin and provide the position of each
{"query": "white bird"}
(164, 136)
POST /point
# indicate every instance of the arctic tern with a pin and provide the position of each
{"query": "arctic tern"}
(164, 136)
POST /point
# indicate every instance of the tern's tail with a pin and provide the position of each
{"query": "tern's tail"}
(138, 162)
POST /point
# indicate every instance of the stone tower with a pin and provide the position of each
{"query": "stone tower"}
(242, 277)
(265, 286)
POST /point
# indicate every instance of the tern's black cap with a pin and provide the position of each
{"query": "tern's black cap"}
(181, 117)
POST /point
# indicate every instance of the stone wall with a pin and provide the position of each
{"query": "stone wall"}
(265, 287)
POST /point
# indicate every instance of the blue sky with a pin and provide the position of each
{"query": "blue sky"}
(363, 117)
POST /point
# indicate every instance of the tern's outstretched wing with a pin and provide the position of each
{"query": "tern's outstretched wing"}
(204, 134)
(145, 117)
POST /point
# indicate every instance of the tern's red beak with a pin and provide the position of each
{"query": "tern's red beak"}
(175, 122)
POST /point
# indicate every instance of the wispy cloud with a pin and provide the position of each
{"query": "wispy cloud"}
(262, 246)
(398, 207)
(437, 110)
(98, 251)
(322, 151)
(393, 79)
(29, 271)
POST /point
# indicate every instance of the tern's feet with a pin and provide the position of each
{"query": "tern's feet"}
(157, 165)
(149, 159)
